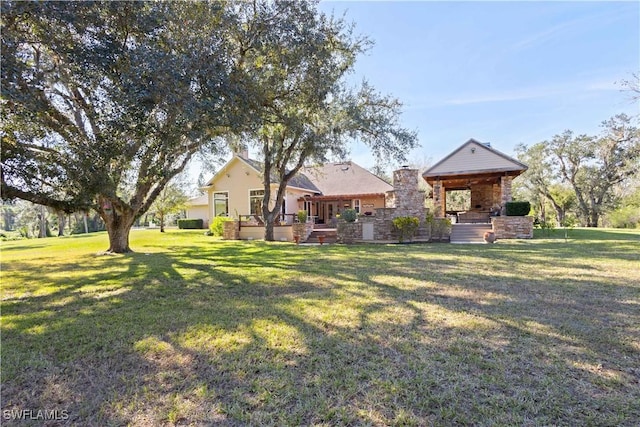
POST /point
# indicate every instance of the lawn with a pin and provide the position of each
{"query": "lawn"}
(190, 330)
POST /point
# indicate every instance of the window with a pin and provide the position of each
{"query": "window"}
(255, 201)
(221, 204)
(356, 205)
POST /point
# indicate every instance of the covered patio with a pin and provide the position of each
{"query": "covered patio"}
(484, 171)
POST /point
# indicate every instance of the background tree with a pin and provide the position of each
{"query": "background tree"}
(171, 199)
(584, 172)
(543, 182)
(104, 102)
(295, 59)
(593, 166)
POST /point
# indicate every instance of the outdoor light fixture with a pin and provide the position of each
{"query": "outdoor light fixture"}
(473, 150)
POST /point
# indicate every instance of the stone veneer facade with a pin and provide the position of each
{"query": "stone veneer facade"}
(512, 227)
(405, 200)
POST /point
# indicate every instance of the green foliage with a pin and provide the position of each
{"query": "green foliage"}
(625, 217)
(547, 226)
(349, 215)
(217, 225)
(407, 226)
(172, 199)
(440, 228)
(105, 102)
(94, 224)
(302, 216)
(517, 208)
(593, 168)
(190, 223)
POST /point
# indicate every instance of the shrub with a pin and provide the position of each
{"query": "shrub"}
(217, 225)
(190, 223)
(518, 208)
(349, 215)
(407, 225)
(440, 228)
(302, 216)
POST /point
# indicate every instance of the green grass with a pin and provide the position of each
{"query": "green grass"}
(190, 330)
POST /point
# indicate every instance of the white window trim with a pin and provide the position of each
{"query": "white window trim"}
(356, 204)
(249, 196)
(213, 198)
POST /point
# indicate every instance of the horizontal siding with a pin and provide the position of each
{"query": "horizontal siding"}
(467, 161)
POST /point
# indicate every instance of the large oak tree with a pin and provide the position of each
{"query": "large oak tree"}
(104, 102)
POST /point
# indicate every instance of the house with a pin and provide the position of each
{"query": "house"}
(198, 208)
(237, 190)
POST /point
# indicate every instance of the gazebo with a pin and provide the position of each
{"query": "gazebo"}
(477, 167)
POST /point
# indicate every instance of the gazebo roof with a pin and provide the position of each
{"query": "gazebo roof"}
(473, 162)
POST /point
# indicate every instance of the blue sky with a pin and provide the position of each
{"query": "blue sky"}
(499, 72)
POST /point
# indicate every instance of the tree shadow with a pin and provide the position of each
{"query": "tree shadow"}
(240, 334)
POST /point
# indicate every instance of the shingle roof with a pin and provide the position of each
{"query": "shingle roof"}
(345, 178)
(198, 201)
(329, 179)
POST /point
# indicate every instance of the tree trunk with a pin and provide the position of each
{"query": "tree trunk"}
(593, 220)
(269, 221)
(43, 223)
(162, 223)
(61, 223)
(118, 227)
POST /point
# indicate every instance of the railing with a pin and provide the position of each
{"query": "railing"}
(255, 220)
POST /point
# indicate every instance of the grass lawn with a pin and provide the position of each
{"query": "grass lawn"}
(191, 330)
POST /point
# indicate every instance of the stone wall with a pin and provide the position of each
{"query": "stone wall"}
(482, 197)
(505, 195)
(406, 200)
(348, 232)
(513, 227)
(303, 230)
(231, 230)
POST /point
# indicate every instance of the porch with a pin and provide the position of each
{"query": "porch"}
(325, 210)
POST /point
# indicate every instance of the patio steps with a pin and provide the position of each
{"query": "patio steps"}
(469, 233)
(330, 235)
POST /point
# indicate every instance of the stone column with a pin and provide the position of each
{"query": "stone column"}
(505, 193)
(439, 199)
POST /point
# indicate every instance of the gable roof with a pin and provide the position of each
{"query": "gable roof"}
(474, 157)
(334, 179)
(298, 181)
(330, 179)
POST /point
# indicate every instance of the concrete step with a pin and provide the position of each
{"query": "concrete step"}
(469, 233)
(330, 236)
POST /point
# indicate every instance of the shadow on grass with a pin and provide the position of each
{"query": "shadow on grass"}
(257, 333)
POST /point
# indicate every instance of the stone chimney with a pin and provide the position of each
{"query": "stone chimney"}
(409, 199)
(242, 151)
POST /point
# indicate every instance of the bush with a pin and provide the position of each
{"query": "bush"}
(518, 208)
(407, 225)
(190, 223)
(440, 228)
(349, 215)
(302, 216)
(625, 217)
(217, 225)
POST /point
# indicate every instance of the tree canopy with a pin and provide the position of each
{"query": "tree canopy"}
(105, 102)
(591, 167)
